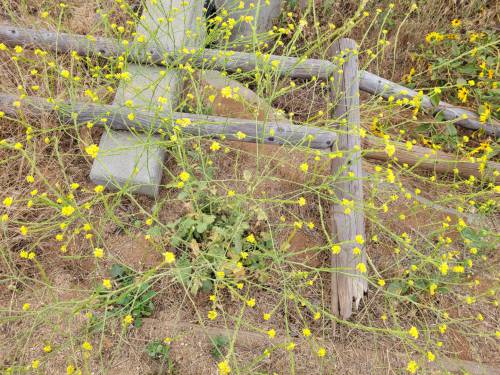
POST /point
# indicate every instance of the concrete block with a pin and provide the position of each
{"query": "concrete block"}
(116, 163)
(136, 161)
(129, 160)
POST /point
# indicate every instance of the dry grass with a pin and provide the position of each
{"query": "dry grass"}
(63, 288)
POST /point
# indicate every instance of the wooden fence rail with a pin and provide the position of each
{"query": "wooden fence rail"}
(270, 132)
(231, 61)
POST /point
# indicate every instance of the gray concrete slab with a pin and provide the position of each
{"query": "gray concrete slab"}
(135, 161)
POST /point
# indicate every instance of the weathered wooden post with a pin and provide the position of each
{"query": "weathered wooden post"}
(135, 160)
(348, 285)
(262, 13)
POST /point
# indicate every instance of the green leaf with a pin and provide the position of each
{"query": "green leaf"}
(439, 116)
(421, 284)
(451, 130)
(117, 271)
(157, 350)
(184, 269)
(397, 287)
(435, 99)
(155, 231)
(468, 69)
(475, 237)
(206, 220)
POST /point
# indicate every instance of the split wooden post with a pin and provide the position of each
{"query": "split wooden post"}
(348, 229)
(263, 13)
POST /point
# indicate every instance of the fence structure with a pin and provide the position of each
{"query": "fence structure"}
(126, 159)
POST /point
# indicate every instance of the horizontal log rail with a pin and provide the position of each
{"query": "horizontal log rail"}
(215, 126)
(426, 158)
(231, 61)
(270, 132)
(159, 328)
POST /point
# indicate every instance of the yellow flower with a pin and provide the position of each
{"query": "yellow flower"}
(67, 210)
(444, 268)
(8, 201)
(302, 201)
(87, 346)
(304, 167)
(470, 300)
(251, 238)
(127, 320)
(240, 135)
(336, 249)
(271, 333)
(184, 176)
(106, 283)
(266, 316)
(224, 368)
(35, 363)
(183, 122)
(306, 332)
(431, 356)
(361, 267)
(231, 193)
(381, 282)
(131, 116)
(455, 22)
(390, 149)
(47, 348)
(98, 252)
(212, 315)
(321, 352)
(442, 328)
(290, 346)
(26, 306)
(169, 257)
(99, 189)
(92, 150)
(432, 289)
(359, 239)
(412, 367)
(226, 92)
(65, 73)
(251, 302)
(24, 230)
(215, 146)
(70, 370)
(413, 332)
(462, 94)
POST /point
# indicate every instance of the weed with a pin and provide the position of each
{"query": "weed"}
(220, 344)
(160, 351)
(238, 245)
